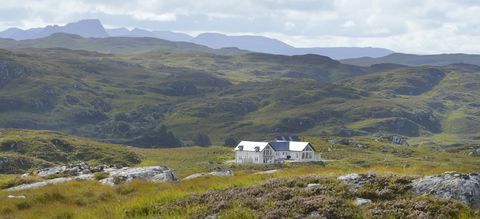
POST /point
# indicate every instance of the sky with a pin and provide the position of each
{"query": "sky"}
(411, 26)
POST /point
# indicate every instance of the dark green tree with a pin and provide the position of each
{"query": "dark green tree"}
(159, 137)
(202, 140)
(230, 142)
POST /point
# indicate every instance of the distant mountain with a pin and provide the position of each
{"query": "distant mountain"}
(416, 60)
(252, 43)
(85, 28)
(94, 28)
(114, 44)
(166, 35)
(273, 46)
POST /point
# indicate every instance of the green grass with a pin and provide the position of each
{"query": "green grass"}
(27, 149)
(92, 200)
(188, 160)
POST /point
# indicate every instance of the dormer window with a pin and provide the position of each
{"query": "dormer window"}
(240, 148)
(257, 149)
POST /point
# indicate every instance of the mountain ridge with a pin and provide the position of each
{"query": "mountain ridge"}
(94, 28)
(417, 60)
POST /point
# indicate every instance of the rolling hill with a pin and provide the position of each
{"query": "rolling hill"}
(416, 60)
(22, 150)
(112, 44)
(158, 98)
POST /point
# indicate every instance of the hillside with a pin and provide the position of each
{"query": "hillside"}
(113, 44)
(416, 60)
(167, 98)
(22, 150)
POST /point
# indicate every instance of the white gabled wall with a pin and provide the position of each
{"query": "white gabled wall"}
(259, 157)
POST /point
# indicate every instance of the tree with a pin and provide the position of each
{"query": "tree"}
(158, 137)
(230, 142)
(202, 140)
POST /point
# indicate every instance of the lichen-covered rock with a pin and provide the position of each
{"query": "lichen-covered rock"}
(50, 181)
(152, 174)
(222, 173)
(462, 187)
(355, 181)
(51, 171)
(362, 201)
(216, 173)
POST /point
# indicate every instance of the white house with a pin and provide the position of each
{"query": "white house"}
(272, 152)
(254, 152)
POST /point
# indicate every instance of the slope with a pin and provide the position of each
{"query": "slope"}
(416, 60)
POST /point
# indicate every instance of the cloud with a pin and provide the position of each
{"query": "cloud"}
(428, 26)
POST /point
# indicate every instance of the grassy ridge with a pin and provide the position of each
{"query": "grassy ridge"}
(127, 98)
(22, 150)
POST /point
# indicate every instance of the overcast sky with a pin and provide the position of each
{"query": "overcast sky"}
(415, 26)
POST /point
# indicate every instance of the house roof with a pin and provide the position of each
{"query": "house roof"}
(250, 145)
(289, 145)
(298, 145)
(287, 138)
(280, 146)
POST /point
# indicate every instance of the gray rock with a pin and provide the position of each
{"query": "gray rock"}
(218, 173)
(222, 173)
(17, 196)
(51, 171)
(152, 174)
(355, 181)
(461, 187)
(267, 172)
(314, 214)
(50, 181)
(362, 201)
(193, 176)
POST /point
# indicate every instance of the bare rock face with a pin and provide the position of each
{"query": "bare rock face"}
(152, 174)
(461, 187)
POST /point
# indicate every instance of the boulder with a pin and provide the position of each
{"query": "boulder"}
(152, 174)
(355, 181)
(216, 173)
(451, 185)
(50, 181)
(362, 201)
(222, 173)
(267, 172)
(51, 171)
(193, 176)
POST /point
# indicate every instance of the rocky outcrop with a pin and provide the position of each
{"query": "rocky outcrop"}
(73, 170)
(355, 181)
(51, 181)
(449, 185)
(461, 187)
(9, 71)
(216, 173)
(83, 171)
(152, 174)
